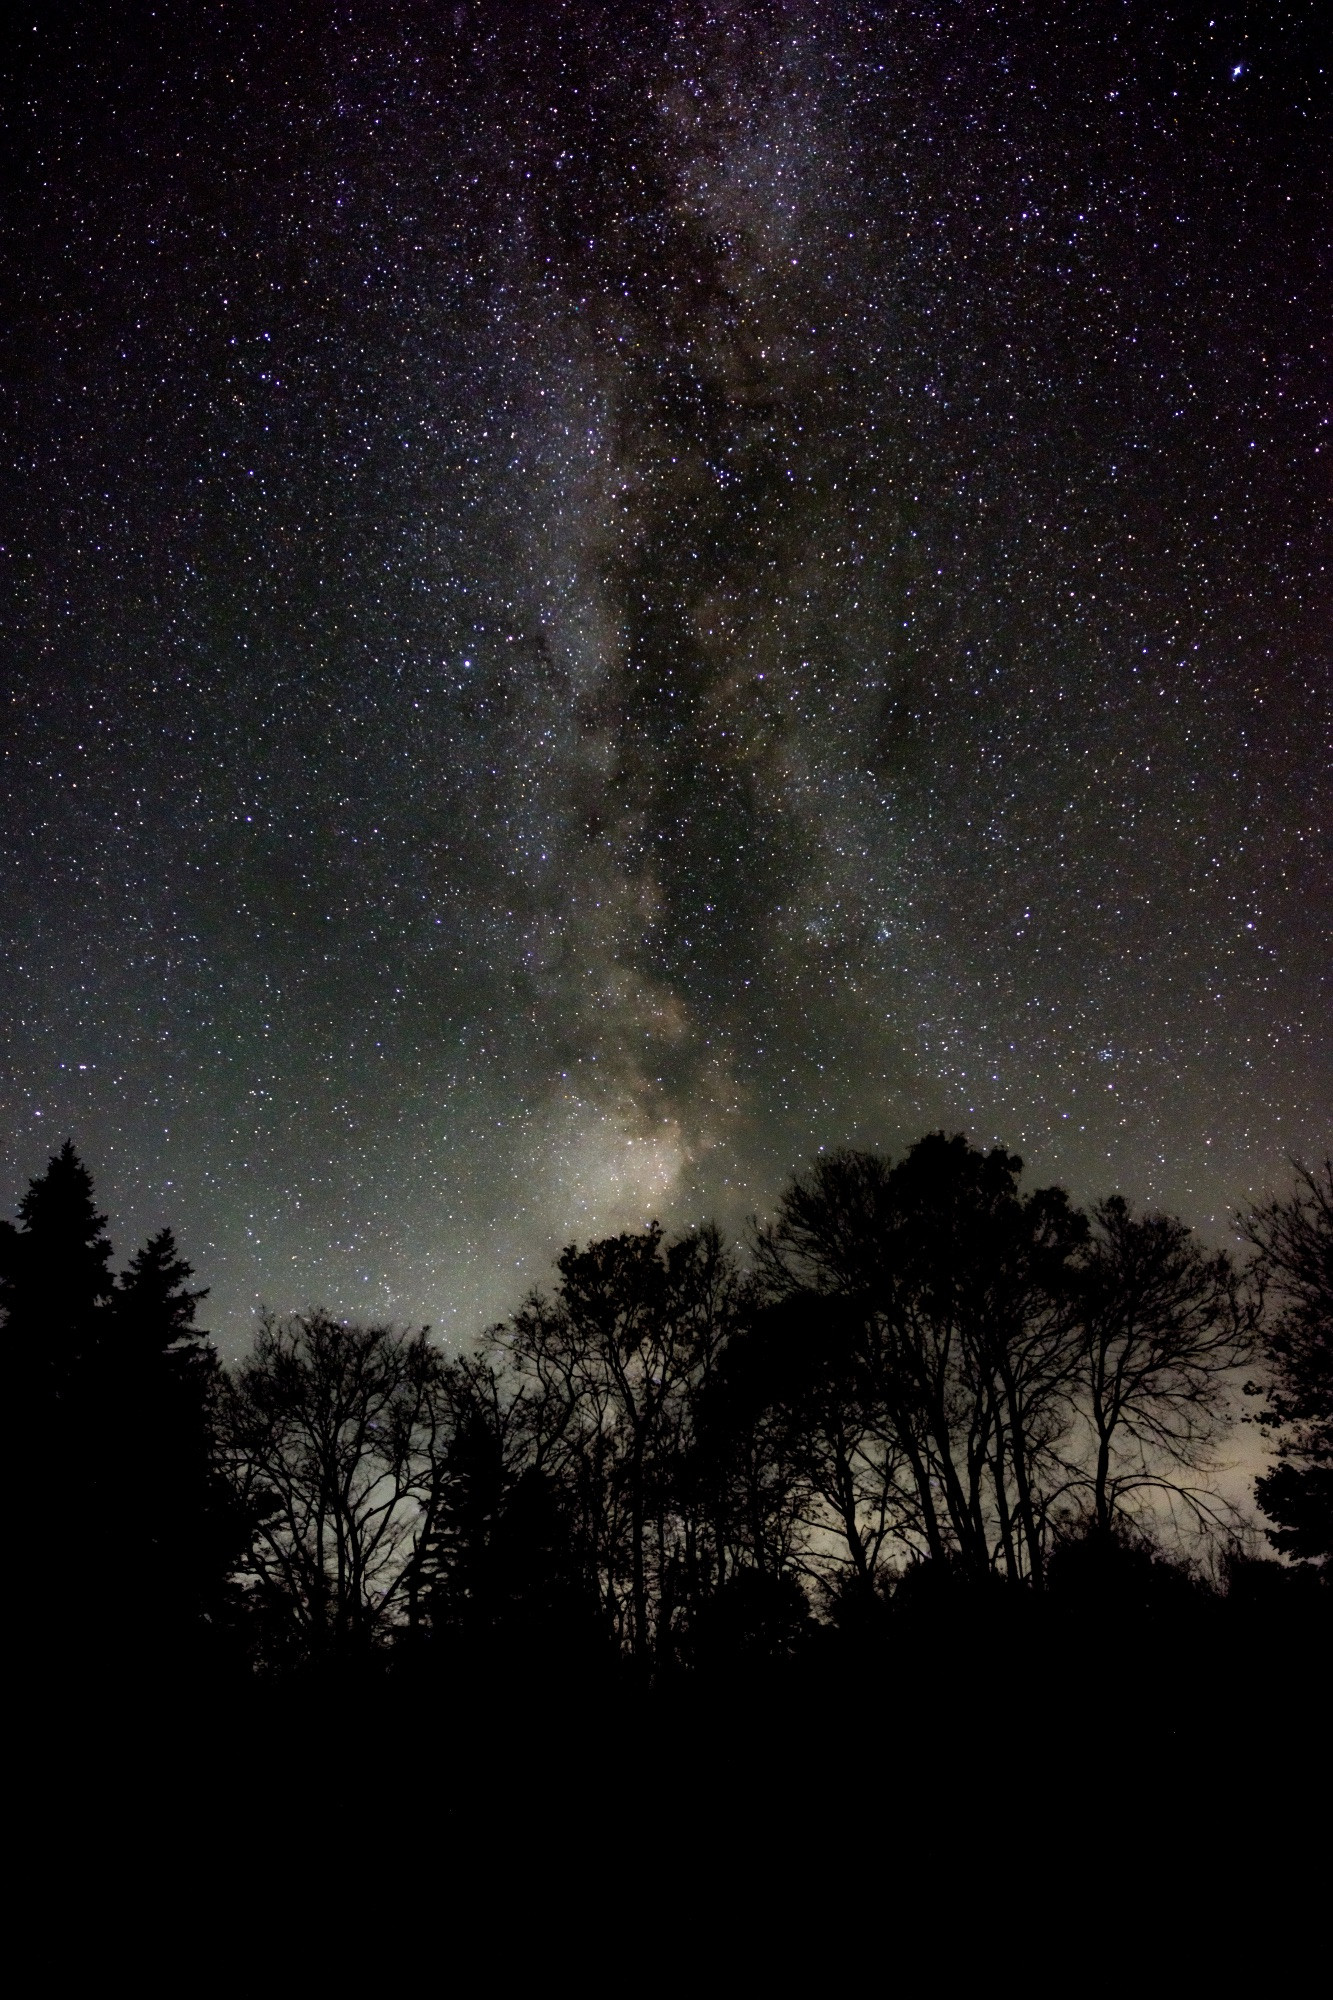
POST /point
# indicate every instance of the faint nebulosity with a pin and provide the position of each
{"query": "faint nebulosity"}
(600, 597)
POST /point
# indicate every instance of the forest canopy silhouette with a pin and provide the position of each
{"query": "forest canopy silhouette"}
(920, 1393)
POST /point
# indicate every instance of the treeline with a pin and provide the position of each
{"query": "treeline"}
(921, 1385)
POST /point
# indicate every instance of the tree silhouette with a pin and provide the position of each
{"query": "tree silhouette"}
(956, 1311)
(1164, 1325)
(333, 1437)
(704, 1472)
(749, 1467)
(55, 1291)
(55, 1284)
(180, 1526)
(610, 1371)
(830, 1465)
(118, 1389)
(1294, 1239)
(499, 1580)
(457, 1587)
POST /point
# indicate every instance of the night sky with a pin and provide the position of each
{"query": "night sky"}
(599, 597)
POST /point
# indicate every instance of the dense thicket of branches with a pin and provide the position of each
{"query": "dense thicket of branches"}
(680, 1456)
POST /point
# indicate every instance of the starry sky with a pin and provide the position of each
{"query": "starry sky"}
(598, 597)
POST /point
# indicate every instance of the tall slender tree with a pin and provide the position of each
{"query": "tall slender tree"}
(181, 1530)
(1294, 1238)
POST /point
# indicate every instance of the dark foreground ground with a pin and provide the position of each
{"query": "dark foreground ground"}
(931, 1734)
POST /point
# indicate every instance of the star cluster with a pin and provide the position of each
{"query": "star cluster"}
(600, 598)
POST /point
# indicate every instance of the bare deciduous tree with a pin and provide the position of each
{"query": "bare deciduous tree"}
(1164, 1327)
(333, 1436)
(609, 1371)
(960, 1290)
